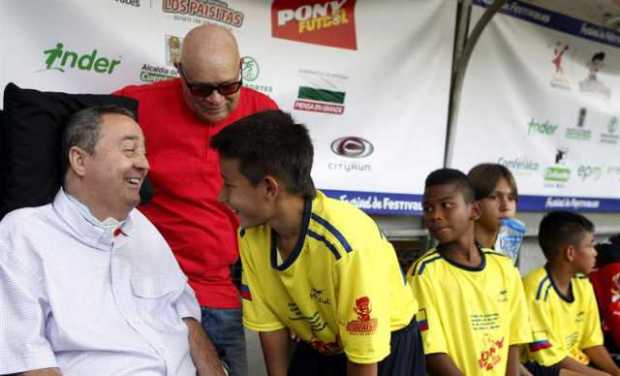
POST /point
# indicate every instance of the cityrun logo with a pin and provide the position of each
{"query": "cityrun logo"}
(327, 23)
(60, 59)
(250, 72)
(352, 147)
(320, 100)
(133, 3)
(212, 10)
(519, 164)
(611, 137)
(544, 128)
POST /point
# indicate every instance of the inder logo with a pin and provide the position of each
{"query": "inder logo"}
(327, 23)
(60, 59)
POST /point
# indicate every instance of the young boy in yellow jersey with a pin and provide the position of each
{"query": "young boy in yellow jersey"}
(317, 267)
(472, 313)
(565, 319)
(495, 189)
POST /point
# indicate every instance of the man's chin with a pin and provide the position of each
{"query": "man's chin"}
(212, 116)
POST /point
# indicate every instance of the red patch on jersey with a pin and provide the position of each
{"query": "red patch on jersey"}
(365, 324)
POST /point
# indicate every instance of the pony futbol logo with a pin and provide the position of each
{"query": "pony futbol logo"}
(327, 23)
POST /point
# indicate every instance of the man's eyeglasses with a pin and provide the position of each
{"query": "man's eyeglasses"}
(204, 90)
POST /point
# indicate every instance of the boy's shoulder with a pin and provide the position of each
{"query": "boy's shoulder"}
(421, 265)
(492, 255)
(537, 284)
(343, 220)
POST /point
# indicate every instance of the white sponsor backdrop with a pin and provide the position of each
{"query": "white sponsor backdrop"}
(542, 96)
(393, 87)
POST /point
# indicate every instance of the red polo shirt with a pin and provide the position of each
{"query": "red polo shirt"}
(186, 177)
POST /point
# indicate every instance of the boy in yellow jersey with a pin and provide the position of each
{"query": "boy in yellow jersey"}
(472, 313)
(314, 266)
(495, 189)
(565, 319)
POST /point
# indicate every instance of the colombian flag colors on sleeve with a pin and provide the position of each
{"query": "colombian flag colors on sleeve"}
(245, 292)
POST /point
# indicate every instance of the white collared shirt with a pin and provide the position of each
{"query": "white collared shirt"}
(91, 301)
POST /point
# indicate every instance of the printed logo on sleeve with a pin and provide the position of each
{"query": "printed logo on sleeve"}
(541, 341)
(365, 324)
(245, 292)
(421, 319)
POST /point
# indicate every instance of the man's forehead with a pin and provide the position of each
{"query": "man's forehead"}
(120, 127)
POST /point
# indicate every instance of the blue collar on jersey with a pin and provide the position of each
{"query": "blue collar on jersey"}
(300, 241)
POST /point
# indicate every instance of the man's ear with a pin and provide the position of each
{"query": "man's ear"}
(77, 160)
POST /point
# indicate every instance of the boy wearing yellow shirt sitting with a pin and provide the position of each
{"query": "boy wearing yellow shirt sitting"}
(565, 319)
(473, 313)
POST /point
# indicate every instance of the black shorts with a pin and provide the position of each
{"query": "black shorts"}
(538, 370)
(406, 357)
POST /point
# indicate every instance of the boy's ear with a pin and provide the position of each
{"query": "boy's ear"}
(475, 210)
(272, 186)
(569, 252)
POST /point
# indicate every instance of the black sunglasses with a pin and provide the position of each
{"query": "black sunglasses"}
(204, 90)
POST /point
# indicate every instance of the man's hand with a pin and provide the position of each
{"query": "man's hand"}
(203, 353)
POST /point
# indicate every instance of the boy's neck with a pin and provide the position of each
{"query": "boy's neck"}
(287, 223)
(561, 274)
(485, 237)
(463, 251)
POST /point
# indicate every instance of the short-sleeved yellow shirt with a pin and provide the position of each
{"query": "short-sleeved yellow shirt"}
(471, 314)
(561, 326)
(341, 289)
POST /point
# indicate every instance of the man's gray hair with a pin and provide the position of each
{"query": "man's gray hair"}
(83, 130)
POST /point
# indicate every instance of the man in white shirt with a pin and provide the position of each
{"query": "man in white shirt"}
(87, 284)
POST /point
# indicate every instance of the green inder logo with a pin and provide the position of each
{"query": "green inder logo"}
(58, 59)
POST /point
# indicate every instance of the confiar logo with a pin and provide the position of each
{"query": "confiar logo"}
(327, 23)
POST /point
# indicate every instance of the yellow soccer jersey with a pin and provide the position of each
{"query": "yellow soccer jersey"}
(472, 314)
(341, 289)
(561, 326)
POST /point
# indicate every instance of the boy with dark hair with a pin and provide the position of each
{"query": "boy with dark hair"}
(318, 267)
(565, 320)
(472, 309)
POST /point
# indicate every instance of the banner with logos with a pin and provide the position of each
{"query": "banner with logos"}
(542, 97)
(370, 79)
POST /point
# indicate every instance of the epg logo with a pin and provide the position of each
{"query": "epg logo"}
(352, 147)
